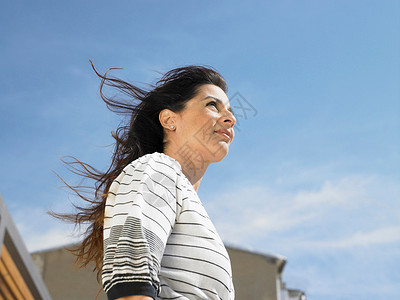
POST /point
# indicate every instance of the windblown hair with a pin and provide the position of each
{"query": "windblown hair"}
(142, 134)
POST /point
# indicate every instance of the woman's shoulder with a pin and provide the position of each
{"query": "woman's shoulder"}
(155, 162)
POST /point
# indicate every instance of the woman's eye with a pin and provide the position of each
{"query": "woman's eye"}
(212, 103)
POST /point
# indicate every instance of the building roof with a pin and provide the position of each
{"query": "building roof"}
(277, 259)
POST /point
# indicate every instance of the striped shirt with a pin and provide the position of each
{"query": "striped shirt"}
(158, 238)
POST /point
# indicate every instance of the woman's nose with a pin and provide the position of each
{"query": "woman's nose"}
(229, 118)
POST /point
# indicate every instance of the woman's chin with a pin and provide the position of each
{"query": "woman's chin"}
(221, 152)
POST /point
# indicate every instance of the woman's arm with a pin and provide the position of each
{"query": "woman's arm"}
(141, 210)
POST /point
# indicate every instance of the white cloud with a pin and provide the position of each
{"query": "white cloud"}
(348, 210)
(340, 193)
(40, 231)
(53, 238)
(375, 237)
(333, 235)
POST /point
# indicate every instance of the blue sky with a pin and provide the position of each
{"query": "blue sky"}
(313, 173)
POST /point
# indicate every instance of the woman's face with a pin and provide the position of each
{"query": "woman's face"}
(204, 129)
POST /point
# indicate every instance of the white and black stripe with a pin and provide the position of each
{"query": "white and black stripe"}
(158, 238)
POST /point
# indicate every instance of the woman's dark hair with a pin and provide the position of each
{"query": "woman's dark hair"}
(142, 134)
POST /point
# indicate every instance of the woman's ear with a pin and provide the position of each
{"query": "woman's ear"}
(167, 119)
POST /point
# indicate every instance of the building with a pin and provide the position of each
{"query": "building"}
(19, 277)
(256, 276)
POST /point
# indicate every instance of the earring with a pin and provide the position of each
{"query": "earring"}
(172, 126)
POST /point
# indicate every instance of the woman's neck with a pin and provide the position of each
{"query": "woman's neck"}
(194, 169)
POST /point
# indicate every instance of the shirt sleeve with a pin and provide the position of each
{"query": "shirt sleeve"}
(140, 212)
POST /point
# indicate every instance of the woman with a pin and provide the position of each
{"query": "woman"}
(149, 233)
